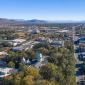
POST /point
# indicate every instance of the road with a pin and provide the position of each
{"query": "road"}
(79, 63)
(79, 70)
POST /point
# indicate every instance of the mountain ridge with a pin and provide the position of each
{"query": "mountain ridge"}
(34, 21)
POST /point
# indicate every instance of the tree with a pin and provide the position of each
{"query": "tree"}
(69, 70)
(39, 45)
(6, 81)
(32, 71)
(45, 82)
(43, 50)
(28, 80)
(17, 79)
(48, 71)
(22, 67)
(11, 64)
(54, 58)
(30, 54)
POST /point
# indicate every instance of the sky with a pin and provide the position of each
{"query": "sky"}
(43, 9)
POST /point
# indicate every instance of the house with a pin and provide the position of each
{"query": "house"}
(25, 61)
(63, 31)
(42, 60)
(58, 43)
(42, 39)
(37, 62)
(35, 31)
(6, 71)
(3, 54)
(19, 40)
(76, 42)
(3, 64)
(16, 42)
(48, 30)
(17, 49)
(82, 40)
(39, 57)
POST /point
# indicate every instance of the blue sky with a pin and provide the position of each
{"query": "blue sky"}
(43, 9)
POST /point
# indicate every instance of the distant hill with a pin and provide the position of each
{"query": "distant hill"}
(4, 21)
(36, 21)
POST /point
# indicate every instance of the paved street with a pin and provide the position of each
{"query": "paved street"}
(79, 68)
(79, 63)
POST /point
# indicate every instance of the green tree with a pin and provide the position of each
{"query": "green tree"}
(48, 71)
(17, 79)
(32, 71)
(28, 80)
(11, 64)
(45, 82)
(43, 50)
(30, 54)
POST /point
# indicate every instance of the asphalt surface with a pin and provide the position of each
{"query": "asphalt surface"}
(79, 68)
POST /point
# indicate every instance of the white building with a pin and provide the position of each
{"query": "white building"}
(39, 57)
(3, 53)
(19, 40)
(6, 72)
(35, 31)
(15, 42)
(25, 61)
(57, 43)
(63, 31)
